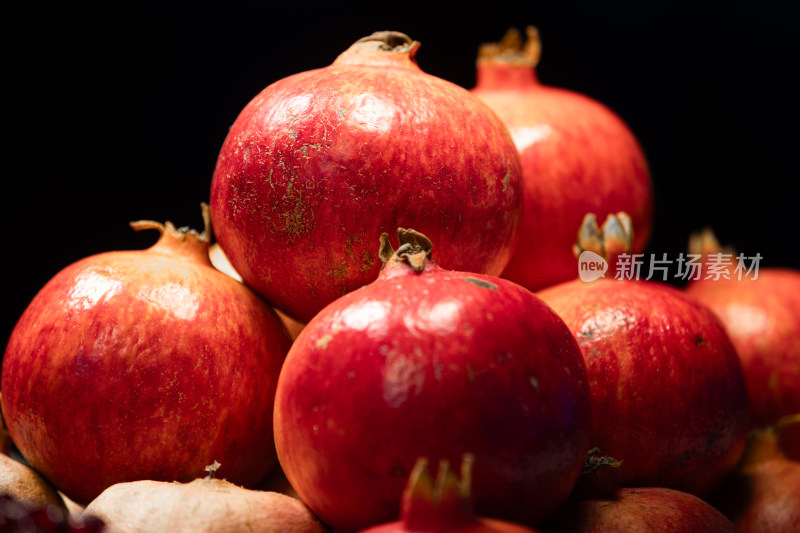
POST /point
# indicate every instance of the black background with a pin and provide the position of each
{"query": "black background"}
(116, 112)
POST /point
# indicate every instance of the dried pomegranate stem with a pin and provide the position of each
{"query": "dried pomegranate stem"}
(415, 248)
(511, 49)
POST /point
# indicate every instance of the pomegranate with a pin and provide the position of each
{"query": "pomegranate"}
(223, 264)
(204, 505)
(431, 361)
(763, 493)
(667, 389)
(601, 506)
(442, 505)
(761, 311)
(143, 364)
(18, 517)
(577, 156)
(320, 163)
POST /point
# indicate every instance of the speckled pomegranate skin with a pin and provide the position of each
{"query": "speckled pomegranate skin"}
(432, 364)
(577, 157)
(640, 510)
(319, 164)
(668, 392)
(762, 317)
(143, 365)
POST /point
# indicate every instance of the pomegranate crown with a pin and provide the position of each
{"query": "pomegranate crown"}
(512, 50)
(615, 237)
(415, 249)
(445, 501)
(181, 233)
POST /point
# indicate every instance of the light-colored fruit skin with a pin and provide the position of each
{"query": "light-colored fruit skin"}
(640, 510)
(668, 392)
(577, 157)
(762, 317)
(319, 164)
(143, 365)
(26, 485)
(200, 506)
(432, 365)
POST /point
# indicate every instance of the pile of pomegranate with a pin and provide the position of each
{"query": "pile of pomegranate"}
(388, 277)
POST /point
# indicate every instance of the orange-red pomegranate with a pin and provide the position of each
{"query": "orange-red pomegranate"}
(668, 391)
(763, 493)
(146, 364)
(577, 157)
(320, 163)
(428, 362)
(761, 311)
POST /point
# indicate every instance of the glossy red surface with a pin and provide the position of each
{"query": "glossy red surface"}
(762, 317)
(640, 510)
(432, 364)
(668, 392)
(319, 164)
(577, 157)
(143, 365)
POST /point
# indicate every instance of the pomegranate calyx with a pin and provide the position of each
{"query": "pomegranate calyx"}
(765, 443)
(390, 40)
(212, 470)
(414, 250)
(705, 243)
(181, 233)
(441, 503)
(512, 50)
(615, 237)
(599, 477)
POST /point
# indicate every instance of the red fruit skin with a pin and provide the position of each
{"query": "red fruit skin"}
(577, 157)
(668, 393)
(143, 365)
(482, 525)
(344, 153)
(764, 497)
(432, 365)
(762, 317)
(640, 510)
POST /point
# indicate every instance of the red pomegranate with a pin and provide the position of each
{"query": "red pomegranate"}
(442, 505)
(223, 264)
(577, 157)
(763, 493)
(668, 392)
(320, 163)
(601, 506)
(431, 362)
(761, 311)
(143, 365)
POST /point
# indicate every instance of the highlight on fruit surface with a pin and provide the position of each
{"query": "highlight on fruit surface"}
(322, 162)
(759, 308)
(600, 504)
(429, 362)
(443, 504)
(144, 364)
(667, 388)
(204, 505)
(763, 493)
(577, 156)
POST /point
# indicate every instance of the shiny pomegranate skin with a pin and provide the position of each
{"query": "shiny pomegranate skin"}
(433, 363)
(577, 156)
(344, 153)
(668, 392)
(146, 364)
(762, 317)
(640, 510)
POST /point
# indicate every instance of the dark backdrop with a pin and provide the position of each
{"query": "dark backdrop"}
(117, 111)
